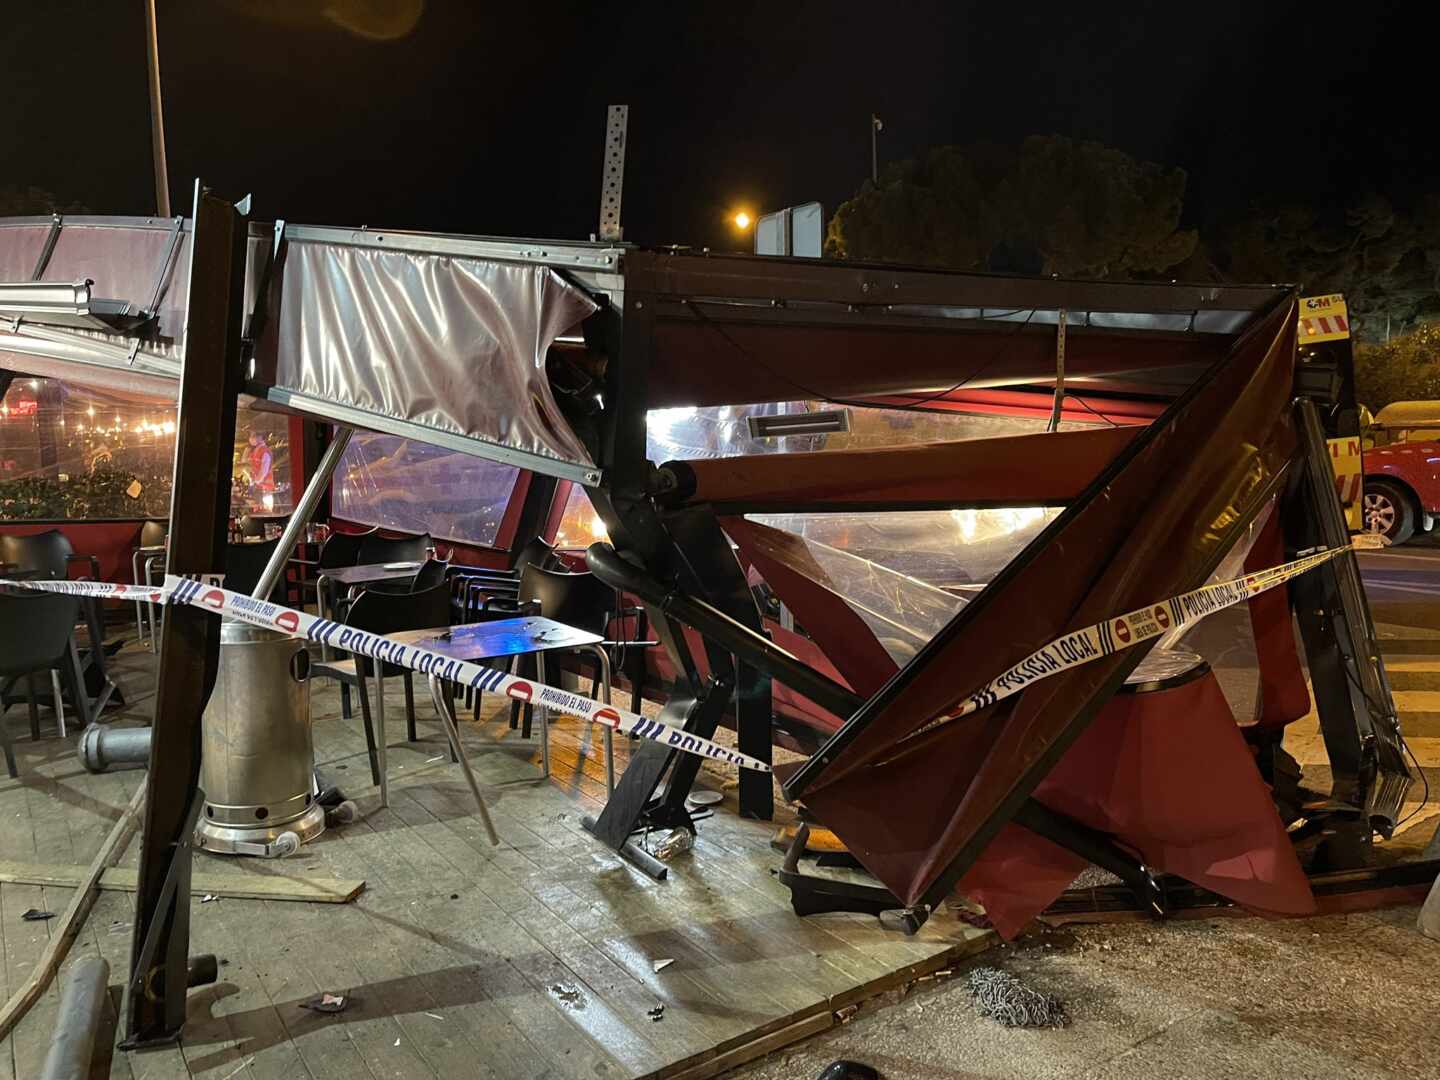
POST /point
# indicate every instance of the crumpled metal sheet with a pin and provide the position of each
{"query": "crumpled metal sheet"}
(453, 344)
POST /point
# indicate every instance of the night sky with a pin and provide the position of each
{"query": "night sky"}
(489, 118)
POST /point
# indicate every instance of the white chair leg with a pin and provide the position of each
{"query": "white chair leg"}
(59, 700)
(542, 716)
(139, 609)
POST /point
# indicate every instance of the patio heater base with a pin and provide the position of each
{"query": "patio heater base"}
(270, 842)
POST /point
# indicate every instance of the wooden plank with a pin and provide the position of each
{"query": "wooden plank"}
(757, 1048)
(260, 885)
(68, 925)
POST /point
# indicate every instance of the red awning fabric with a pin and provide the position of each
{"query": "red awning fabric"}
(1284, 693)
(1169, 774)
(918, 809)
(833, 624)
(1046, 469)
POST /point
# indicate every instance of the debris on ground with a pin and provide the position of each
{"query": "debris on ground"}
(661, 965)
(326, 1003)
(656, 1014)
(570, 995)
(848, 1070)
(208, 897)
(36, 915)
(673, 843)
(1007, 1001)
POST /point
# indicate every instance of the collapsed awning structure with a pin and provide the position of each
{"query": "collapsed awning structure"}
(551, 356)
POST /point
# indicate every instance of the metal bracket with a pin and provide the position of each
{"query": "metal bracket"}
(162, 278)
(260, 316)
(176, 875)
(56, 221)
(612, 175)
(1059, 405)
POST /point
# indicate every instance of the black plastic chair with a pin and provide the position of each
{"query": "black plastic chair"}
(587, 603)
(386, 613)
(37, 635)
(536, 552)
(380, 549)
(49, 555)
(433, 573)
(153, 533)
(244, 563)
(342, 549)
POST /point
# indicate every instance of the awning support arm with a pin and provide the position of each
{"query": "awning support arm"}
(303, 512)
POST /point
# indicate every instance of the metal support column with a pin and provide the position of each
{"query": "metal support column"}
(1352, 695)
(190, 641)
(304, 511)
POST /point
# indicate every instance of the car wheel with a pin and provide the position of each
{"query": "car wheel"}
(1388, 511)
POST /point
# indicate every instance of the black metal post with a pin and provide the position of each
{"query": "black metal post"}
(190, 643)
(1352, 695)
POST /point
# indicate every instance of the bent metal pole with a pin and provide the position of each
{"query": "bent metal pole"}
(303, 512)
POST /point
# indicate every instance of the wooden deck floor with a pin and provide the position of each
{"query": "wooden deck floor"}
(533, 959)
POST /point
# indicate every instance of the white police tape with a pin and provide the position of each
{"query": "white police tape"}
(1068, 651)
(1144, 624)
(298, 624)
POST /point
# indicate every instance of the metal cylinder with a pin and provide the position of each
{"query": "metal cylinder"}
(258, 760)
(73, 1044)
(102, 747)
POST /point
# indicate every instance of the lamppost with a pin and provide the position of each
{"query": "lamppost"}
(875, 128)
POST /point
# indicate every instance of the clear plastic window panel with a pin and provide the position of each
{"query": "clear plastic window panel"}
(414, 487)
(580, 525)
(260, 472)
(70, 452)
(955, 550)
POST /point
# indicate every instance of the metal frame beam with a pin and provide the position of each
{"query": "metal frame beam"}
(190, 643)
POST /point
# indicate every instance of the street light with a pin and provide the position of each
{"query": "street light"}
(742, 220)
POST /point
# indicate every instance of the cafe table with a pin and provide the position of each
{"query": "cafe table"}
(491, 643)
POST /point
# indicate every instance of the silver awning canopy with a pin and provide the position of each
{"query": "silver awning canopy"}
(435, 338)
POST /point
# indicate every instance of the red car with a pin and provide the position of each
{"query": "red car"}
(1402, 489)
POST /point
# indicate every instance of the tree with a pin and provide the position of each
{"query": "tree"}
(1386, 261)
(1052, 205)
(1406, 368)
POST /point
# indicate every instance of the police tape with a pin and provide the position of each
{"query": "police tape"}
(1068, 651)
(1081, 647)
(298, 624)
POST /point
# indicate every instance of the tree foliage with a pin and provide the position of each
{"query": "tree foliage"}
(1406, 368)
(1052, 205)
(1384, 259)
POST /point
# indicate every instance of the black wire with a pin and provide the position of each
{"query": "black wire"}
(1086, 406)
(1377, 710)
(1423, 779)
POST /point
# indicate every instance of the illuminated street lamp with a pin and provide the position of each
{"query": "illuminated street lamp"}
(742, 220)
